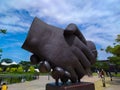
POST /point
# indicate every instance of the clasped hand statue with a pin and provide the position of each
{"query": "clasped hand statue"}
(63, 52)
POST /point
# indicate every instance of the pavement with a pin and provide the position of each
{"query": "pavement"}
(40, 83)
(114, 84)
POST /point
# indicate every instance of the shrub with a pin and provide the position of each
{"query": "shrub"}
(31, 69)
(13, 69)
(7, 69)
(20, 69)
(1, 69)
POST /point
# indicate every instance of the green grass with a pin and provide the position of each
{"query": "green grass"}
(94, 74)
(116, 75)
(16, 77)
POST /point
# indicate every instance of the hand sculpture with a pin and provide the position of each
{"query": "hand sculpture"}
(65, 53)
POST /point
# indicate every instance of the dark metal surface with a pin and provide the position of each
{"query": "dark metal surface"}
(75, 86)
(68, 54)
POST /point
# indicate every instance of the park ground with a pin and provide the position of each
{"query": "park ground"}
(40, 83)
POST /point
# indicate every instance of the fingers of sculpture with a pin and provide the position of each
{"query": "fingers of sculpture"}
(92, 47)
(85, 63)
(73, 29)
(73, 74)
(65, 77)
(34, 59)
(59, 73)
(44, 67)
(80, 49)
(86, 50)
(81, 57)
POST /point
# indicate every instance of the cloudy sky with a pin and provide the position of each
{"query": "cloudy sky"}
(98, 20)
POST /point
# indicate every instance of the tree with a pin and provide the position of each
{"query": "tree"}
(97, 65)
(118, 38)
(31, 69)
(25, 65)
(101, 65)
(4, 31)
(7, 69)
(1, 69)
(20, 69)
(0, 53)
(13, 69)
(7, 60)
(115, 51)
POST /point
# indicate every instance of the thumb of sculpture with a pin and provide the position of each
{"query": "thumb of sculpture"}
(57, 73)
(34, 59)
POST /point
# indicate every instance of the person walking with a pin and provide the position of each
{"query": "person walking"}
(4, 86)
(102, 75)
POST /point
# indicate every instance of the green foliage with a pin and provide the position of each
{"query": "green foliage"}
(20, 69)
(15, 77)
(7, 60)
(109, 49)
(13, 69)
(101, 65)
(3, 31)
(115, 50)
(115, 60)
(7, 69)
(105, 66)
(1, 69)
(118, 38)
(0, 50)
(31, 69)
(97, 65)
(116, 75)
(25, 65)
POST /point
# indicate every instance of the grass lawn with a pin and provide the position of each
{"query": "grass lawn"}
(117, 75)
(16, 77)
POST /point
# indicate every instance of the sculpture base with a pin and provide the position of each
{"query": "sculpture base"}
(76, 86)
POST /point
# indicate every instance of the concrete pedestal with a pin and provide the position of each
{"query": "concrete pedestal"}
(76, 86)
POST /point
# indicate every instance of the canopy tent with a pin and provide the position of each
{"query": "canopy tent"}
(7, 64)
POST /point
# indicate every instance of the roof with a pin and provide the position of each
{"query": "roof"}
(7, 64)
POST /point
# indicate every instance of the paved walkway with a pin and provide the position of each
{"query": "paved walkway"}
(41, 82)
(114, 84)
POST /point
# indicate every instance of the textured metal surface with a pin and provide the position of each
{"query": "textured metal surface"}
(64, 49)
(76, 86)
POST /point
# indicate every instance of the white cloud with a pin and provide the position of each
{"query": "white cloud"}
(64, 11)
(12, 29)
(101, 16)
(102, 55)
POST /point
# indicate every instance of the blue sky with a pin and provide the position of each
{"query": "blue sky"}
(98, 20)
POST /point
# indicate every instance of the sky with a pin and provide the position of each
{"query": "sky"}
(98, 20)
